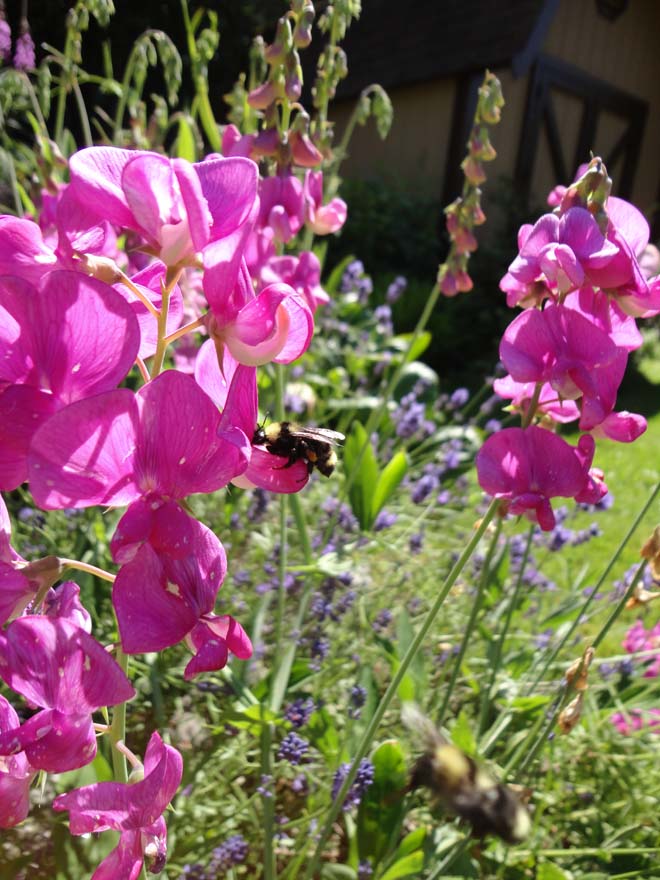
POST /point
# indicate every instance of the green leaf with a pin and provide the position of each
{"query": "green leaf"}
(411, 842)
(338, 872)
(408, 866)
(382, 809)
(550, 871)
(359, 458)
(402, 341)
(185, 142)
(388, 481)
(252, 718)
(414, 681)
(462, 736)
(333, 280)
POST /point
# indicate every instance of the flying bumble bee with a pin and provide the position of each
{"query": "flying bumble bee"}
(294, 442)
(464, 788)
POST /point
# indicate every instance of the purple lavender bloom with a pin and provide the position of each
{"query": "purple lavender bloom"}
(493, 426)
(395, 289)
(382, 620)
(299, 712)
(416, 543)
(421, 490)
(233, 851)
(383, 318)
(364, 871)
(543, 639)
(24, 52)
(293, 748)
(384, 520)
(357, 700)
(362, 781)
(459, 398)
(299, 784)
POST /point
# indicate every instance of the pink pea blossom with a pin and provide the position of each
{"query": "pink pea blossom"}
(549, 401)
(321, 219)
(134, 809)
(274, 325)
(115, 448)
(562, 347)
(564, 251)
(16, 774)
(527, 467)
(51, 357)
(177, 207)
(282, 205)
(638, 639)
(171, 570)
(636, 719)
(302, 273)
(58, 666)
(270, 472)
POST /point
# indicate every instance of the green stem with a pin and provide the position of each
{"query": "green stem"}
(118, 726)
(205, 110)
(390, 693)
(472, 620)
(82, 112)
(501, 637)
(171, 278)
(270, 867)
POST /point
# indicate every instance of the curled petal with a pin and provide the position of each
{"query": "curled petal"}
(273, 473)
(213, 639)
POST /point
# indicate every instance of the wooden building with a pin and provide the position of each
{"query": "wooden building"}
(578, 76)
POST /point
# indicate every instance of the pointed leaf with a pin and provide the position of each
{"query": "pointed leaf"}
(388, 481)
(359, 458)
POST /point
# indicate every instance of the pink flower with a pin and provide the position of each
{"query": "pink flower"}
(114, 448)
(49, 357)
(171, 570)
(321, 219)
(282, 205)
(15, 774)
(177, 208)
(302, 273)
(274, 325)
(57, 665)
(549, 401)
(560, 346)
(134, 809)
(639, 639)
(527, 467)
(636, 719)
(266, 471)
(564, 251)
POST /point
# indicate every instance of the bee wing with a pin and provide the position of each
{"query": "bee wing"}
(322, 434)
(421, 727)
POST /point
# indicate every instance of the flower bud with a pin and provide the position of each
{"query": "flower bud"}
(263, 96)
(473, 170)
(577, 672)
(281, 45)
(302, 34)
(651, 551)
(570, 715)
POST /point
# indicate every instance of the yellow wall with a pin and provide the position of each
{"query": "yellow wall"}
(624, 53)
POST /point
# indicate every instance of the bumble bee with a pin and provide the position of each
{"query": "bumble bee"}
(465, 789)
(297, 442)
